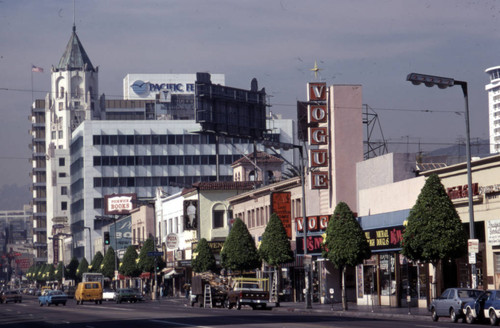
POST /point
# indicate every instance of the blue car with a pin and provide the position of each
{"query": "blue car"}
(486, 305)
(55, 297)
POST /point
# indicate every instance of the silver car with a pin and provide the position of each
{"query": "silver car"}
(451, 303)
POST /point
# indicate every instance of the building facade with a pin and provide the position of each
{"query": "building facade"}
(493, 90)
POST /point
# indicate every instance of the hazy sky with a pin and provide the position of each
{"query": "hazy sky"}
(372, 43)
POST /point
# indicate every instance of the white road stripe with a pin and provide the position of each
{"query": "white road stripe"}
(177, 323)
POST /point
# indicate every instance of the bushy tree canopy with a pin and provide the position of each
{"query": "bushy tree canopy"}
(129, 267)
(345, 242)
(204, 259)
(239, 251)
(82, 268)
(96, 262)
(108, 263)
(71, 268)
(434, 230)
(60, 272)
(275, 247)
(147, 263)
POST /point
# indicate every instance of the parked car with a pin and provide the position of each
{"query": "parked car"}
(53, 297)
(451, 303)
(108, 294)
(128, 295)
(486, 305)
(10, 296)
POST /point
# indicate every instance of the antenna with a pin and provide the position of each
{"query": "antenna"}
(74, 19)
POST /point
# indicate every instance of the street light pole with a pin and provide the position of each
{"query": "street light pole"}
(442, 83)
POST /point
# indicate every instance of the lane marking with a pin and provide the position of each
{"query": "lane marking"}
(177, 323)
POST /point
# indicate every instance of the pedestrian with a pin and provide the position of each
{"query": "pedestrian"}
(187, 287)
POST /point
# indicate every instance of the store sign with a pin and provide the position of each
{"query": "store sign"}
(493, 232)
(385, 238)
(314, 245)
(462, 191)
(281, 205)
(314, 223)
(215, 246)
(119, 204)
(318, 135)
(172, 241)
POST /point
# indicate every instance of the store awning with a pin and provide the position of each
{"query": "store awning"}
(170, 272)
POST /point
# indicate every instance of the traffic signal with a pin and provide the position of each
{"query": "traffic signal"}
(106, 238)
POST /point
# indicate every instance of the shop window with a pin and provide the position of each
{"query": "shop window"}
(218, 218)
(387, 275)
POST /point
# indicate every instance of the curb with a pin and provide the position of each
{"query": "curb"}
(356, 313)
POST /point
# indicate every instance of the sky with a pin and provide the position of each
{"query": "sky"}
(371, 43)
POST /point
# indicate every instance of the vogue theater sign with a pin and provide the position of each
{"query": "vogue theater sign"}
(318, 120)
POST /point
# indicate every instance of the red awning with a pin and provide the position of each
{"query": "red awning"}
(145, 275)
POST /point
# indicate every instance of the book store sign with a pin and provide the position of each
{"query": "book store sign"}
(385, 238)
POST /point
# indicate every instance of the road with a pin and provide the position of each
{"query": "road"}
(167, 314)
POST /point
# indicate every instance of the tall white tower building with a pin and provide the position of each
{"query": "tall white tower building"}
(74, 85)
(493, 89)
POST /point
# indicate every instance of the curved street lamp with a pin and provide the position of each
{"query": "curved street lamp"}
(443, 83)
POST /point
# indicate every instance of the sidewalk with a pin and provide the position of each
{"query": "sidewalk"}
(354, 310)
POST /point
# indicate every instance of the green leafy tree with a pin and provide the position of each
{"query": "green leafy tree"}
(434, 231)
(60, 272)
(203, 258)
(275, 247)
(108, 263)
(95, 266)
(239, 251)
(82, 268)
(345, 243)
(129, 267)
(71, 268)
(51, 273)
(147, 263)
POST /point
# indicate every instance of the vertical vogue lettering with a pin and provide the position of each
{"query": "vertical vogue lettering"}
(319, 157)
(317, 114)
(319, 180)
(318, 136)
(317, 91)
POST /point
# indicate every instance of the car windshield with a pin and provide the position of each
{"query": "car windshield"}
(468, 293)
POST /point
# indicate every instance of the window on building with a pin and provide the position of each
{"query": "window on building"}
(218, 218)
(98, 203)
(64, 206)
(170, 228)
(62, 174)
(176, 225)
(62, 161)
(64, 190)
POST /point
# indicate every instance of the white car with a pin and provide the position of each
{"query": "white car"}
(108, 295)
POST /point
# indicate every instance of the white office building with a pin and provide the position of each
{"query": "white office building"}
(493, 89)
(86, 147)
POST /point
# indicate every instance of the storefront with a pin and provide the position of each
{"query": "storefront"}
(388, 278)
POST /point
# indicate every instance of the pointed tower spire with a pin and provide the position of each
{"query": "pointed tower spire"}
(75, 57)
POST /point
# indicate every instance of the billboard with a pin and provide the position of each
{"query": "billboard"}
(119, 204)
(281, 204)
(121, 237)
(190, 214)
(230, 111)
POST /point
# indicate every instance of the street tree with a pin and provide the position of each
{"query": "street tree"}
(345, 243)
(82, 268)
(95, 266)
(147, 263)
(108, 263)
(275, 247)
(433, 230)
(203, 258)
(129, 265)
(60, 272)
(71, 268)
(239, 251)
